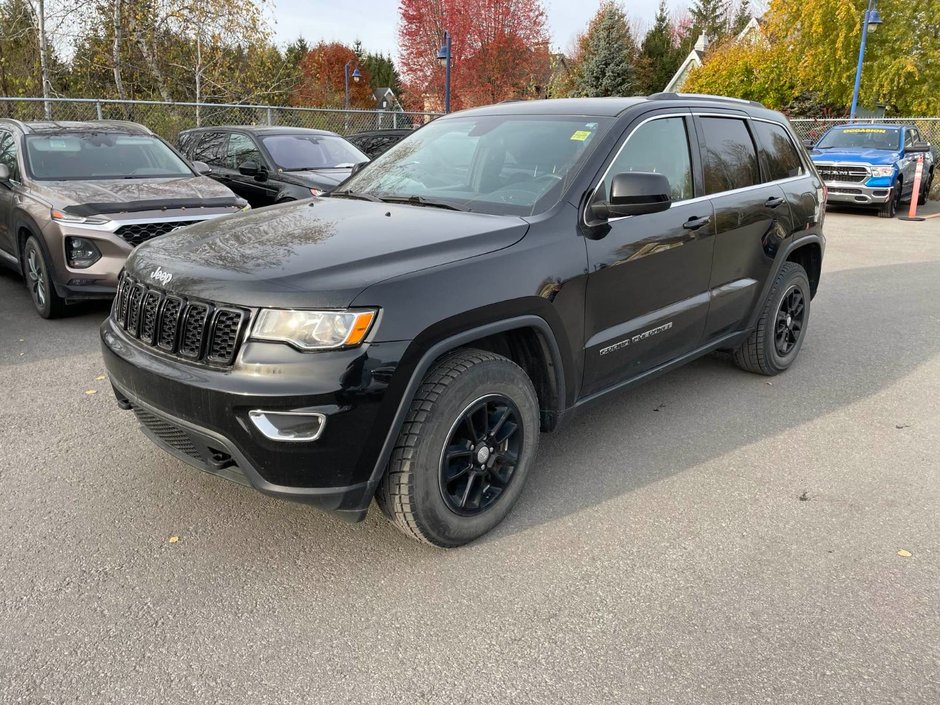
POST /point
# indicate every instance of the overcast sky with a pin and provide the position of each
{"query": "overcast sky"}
(375, 22)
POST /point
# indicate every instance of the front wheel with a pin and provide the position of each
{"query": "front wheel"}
(890, 207)
(39, 281)
(781, 328)
(464, 451)
(925, 189)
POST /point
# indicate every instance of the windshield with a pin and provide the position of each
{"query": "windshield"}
(303, 152)
(861, 138)
(101, 155)
(497, 164)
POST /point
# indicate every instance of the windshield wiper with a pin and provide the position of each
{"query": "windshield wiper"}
(420, 201)
(362, 196)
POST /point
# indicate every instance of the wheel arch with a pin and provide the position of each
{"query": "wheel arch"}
(523, 337)
(809, 257)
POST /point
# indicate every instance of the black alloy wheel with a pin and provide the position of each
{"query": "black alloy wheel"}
(789, 324)
(480, 457)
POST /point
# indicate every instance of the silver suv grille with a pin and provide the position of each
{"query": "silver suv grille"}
(137, 233)
(198, 331)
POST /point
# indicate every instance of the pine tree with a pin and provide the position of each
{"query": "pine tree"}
(742, 15)
(607, 61)
(659, 56)
(710, 17)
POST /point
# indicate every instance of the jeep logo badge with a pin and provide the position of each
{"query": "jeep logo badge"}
(160, 276)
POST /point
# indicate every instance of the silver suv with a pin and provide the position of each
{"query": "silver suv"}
(77, 197)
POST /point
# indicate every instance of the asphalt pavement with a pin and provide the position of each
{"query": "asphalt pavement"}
(710, 537)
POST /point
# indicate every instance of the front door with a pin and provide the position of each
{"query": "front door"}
(7, 195)
(259, 190)
(647, 291)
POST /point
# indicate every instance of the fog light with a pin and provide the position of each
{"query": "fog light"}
(288, 425)
(80, 252)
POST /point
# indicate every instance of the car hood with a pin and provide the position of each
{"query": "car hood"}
(321, 252)
(325, 178)
(861, 156)
(128, 195)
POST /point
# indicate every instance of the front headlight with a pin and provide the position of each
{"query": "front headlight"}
(882, 171)
(64, 217)
(313, 330)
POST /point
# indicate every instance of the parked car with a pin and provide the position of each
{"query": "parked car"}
(409, 336)
(376, 142)
(77, 197)
(873, 165)
(268, 165)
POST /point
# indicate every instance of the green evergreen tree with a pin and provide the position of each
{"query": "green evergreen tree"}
(709, 17)
(382, 72)
(742, 15)
(607, 62)
(659, 56)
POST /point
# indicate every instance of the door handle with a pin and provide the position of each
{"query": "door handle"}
(696, 223)
(773, 202)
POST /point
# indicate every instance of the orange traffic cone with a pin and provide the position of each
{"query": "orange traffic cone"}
(915, 192)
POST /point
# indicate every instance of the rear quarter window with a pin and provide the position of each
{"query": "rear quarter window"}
(777, 151)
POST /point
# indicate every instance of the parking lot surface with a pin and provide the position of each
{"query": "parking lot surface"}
(709, 537)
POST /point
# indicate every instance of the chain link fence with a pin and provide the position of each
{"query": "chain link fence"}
(169, 119)
(813, 129)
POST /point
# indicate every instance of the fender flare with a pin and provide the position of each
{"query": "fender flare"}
(782, 256)
(443, 346)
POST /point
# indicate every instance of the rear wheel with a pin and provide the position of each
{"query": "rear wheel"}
(890, 207)
(775, 343)
(465, 449)
(39, 281)
(925, 188)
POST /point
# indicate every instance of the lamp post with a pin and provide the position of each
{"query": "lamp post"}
(444, 56)
(870, 22)
(355, 77)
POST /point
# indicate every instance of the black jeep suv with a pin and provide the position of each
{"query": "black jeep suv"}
(409, 336)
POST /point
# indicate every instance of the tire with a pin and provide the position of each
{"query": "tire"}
(890, 207)
(763, 353)
(39, 282)
(463, 397)
(925, 189)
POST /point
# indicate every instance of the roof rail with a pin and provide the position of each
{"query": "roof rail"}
(703, 96)
(19, 123)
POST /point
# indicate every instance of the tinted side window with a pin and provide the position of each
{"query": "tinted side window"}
(728, 155)
(210, 148)
(908, 138)
(186, 142)
(241, 148)
(662, 147)
(777, 151)
(8, 154)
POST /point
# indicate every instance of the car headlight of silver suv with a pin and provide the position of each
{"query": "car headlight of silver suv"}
(313, 330)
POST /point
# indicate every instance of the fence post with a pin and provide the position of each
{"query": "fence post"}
(395, 120)
(98, 109)
(270, 115)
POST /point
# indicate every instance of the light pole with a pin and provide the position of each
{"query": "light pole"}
(444, 56)
(355, 77)
(870, 21)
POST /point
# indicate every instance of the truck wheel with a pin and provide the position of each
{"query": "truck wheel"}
(925, 189)
(39, 281)
(890, 207)
(464, 451)
(775, 343)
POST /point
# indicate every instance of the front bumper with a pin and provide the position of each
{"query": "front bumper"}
(201, 415)
(857, 194)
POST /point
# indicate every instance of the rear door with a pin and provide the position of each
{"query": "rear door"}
(647, 291)
(751, 218)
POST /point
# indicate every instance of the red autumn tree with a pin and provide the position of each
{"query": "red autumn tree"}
(322, 81)
(499, 50)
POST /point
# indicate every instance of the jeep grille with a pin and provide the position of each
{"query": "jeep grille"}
(197, 331)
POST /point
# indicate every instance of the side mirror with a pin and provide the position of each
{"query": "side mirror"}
(202, 168)
(358, 166)
(918, 148)
(4, 173)
(809, 144)
(250, 168)
(634, 193)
